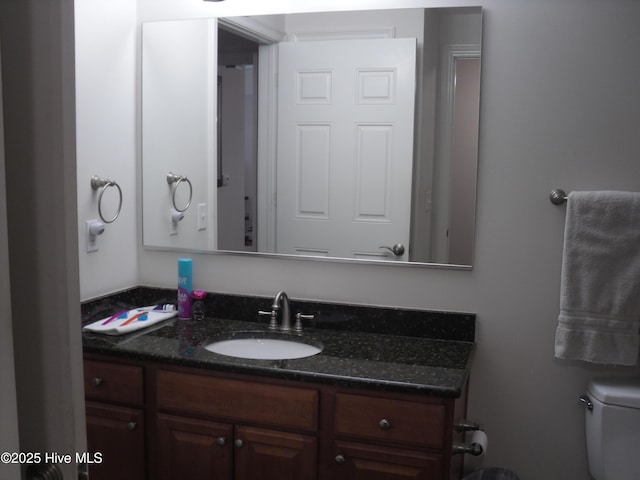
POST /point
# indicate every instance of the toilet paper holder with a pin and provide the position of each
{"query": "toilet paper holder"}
(468, 426)
(473, 448)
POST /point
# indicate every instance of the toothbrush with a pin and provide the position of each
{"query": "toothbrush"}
(122, 314)
(139, 316)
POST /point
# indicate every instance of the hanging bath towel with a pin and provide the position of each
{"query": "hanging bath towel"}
(599, 317)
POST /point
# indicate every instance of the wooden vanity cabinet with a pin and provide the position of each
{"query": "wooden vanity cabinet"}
(214, 426)
(200, 449)
(386, 438)
(115, 420)
(193, 448)
(274, 455)
(221, 428)
(374, 462)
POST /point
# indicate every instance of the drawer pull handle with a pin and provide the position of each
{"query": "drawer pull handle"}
(96, 381)
(384, 424)
(222, 441)
(340, 459)
(238, 443)
(131, 426)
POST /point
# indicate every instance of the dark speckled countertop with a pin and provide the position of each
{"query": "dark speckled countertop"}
(408, 351)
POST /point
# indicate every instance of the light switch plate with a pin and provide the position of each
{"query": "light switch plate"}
(173, 225)
(92, 240)
(202, 216)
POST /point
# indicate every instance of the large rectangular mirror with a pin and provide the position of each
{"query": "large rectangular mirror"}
(350, 135)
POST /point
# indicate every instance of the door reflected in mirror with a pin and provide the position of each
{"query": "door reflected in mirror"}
(366, 142)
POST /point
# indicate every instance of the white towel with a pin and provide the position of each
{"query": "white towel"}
(114, 326)
(599, 317)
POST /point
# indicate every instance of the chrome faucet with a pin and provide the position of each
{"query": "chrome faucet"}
(280, 301)
(282, 298)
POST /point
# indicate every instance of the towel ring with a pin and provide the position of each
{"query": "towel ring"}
(176, 180)
(96, 183)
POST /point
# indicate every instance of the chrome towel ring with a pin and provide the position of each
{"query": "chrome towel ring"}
(176, 180)
(103, 184)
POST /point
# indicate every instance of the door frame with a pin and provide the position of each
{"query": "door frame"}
(442, 176)
(9, 440)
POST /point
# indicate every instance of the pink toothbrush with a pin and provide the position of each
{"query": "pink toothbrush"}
(113, 317)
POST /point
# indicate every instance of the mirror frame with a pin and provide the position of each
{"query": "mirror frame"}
(248, 27)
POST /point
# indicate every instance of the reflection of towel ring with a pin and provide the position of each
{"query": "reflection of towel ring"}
(96, 183)
(176, 180)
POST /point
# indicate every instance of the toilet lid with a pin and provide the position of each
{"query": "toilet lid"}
(624, 392)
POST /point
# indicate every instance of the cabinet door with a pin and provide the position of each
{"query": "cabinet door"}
(273, 455)
(194, 449)
(370, 462)
(118, 434)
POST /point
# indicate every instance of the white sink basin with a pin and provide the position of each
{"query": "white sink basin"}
(264, 348)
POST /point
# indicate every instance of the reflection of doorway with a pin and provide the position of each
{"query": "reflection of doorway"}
(455, 169)
(345, 138)
(237, 163)
(464, 165)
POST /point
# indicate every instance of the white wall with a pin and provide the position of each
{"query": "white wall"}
(105, 32)
(178, 104)
(559, 108)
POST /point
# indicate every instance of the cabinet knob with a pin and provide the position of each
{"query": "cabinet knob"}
(96, 381)
(222, 441)
(132, 426)
(238, 443)
(340, 459)
(384, 424)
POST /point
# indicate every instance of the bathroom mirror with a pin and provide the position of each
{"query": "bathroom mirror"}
(365, 148)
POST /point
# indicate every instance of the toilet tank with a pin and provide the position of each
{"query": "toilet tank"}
(613, 428)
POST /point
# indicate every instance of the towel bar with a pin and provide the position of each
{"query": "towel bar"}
(558, 196)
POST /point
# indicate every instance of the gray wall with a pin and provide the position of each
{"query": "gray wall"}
(8, 403)
(559, 108)
(43, 316)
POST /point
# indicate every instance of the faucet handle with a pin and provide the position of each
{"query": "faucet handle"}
(273, 314)
(299, 317)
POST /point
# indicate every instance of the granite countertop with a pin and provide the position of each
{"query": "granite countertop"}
(409, 363)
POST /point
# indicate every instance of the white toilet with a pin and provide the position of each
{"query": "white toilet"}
(612, 419)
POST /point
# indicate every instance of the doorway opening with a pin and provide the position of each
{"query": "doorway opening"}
(237, 132)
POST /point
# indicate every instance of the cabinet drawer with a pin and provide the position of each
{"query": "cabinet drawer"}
(359, 460)
(238, 400)
(390, 420)
(113, 383)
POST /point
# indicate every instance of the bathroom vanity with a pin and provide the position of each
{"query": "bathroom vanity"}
(380, 400)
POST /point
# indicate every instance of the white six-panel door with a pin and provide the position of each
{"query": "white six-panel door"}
(345, 147)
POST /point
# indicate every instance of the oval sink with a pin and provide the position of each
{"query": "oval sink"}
(265, 347)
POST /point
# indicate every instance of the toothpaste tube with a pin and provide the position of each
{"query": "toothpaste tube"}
(167, 307)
